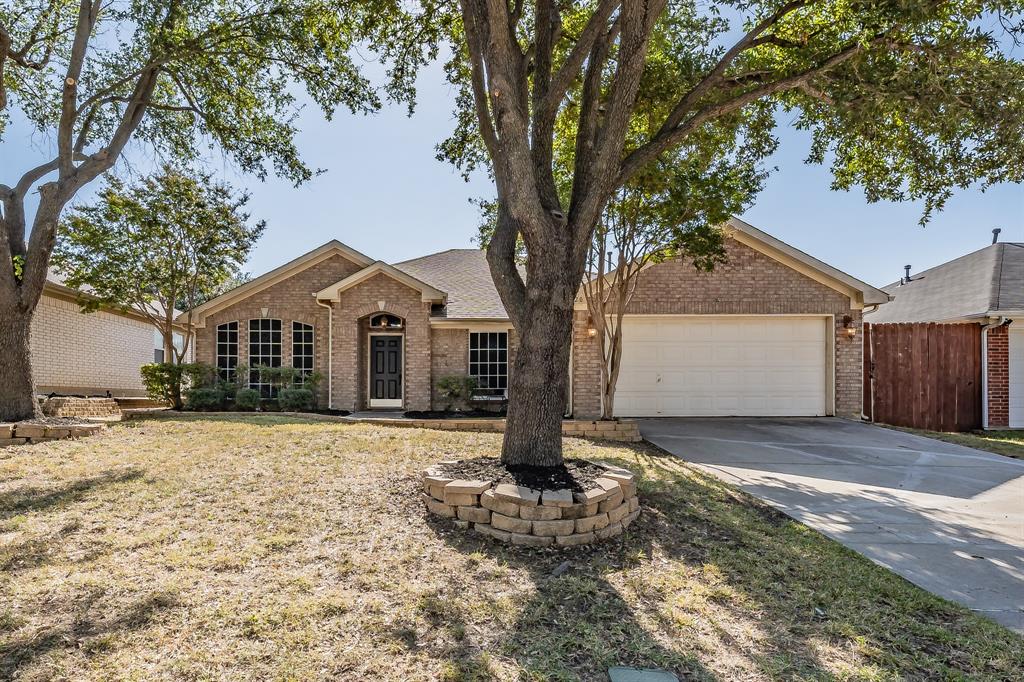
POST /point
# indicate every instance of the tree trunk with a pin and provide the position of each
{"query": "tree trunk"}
(17, 391)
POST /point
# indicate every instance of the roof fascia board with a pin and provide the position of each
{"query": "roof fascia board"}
(278, 274)
(471, 323)
(860, 293)
(428, 294)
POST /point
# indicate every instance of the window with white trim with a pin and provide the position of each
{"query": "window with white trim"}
(264, 349)
(227, 351)
(302, 350)
(488, 362)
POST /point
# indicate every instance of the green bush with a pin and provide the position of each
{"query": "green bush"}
(247, 399)
(167, 381)
(295, 399)
(200, 399)
(456, 389)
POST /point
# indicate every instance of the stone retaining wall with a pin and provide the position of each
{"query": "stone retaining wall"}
(626, 430)
(62, 406)
(534, 518)
(21, 433)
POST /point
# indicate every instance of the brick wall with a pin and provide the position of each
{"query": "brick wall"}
(289, 300)
(449, 355)
(88, 353)
(999, 376)
(380, 293)
(750, 283)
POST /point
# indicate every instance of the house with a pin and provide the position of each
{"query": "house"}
(76, 353)
(772, 332)
(986, 289)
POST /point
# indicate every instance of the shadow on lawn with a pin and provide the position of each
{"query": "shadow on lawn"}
(760, 572)
(31, 499)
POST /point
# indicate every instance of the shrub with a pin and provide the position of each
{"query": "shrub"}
(247, 399)
(456, 389)
(167, 381)
(295, 399)
(204, 399)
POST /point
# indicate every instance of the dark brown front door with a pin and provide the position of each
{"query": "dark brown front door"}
(385, 371)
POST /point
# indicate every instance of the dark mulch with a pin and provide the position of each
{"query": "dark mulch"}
(333, 413)
(451, 414)
(56, 421)
(575, 474)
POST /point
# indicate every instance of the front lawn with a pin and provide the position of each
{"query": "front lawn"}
(1008, 443)
(259, 548)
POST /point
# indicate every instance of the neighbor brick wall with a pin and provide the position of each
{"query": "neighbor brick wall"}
(380, 293)
(88, 353)
(289, 300)
(999, 376)
(750, 283)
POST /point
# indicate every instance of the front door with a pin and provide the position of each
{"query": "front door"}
(385, 370)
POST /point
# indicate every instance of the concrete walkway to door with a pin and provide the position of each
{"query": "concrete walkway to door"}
(945, 517)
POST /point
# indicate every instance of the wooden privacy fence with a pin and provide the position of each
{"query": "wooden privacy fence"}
(923, 375)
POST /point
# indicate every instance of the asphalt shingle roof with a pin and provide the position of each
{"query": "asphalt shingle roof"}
(462, 274)
(988, 280)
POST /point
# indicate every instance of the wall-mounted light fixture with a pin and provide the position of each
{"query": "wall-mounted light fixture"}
(591, 329)
(848, 327)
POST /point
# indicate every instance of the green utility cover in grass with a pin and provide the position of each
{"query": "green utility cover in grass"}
(638, 675)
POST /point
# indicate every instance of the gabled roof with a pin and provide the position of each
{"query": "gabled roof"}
(858, 291)
(465, 276)
(428, 293)
(986, 283)
(306, 260)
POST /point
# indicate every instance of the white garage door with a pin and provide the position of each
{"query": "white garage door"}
(723, 366)
(1016, 377)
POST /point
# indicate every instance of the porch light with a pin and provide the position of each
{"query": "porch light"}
(591, 329)
(848, 327)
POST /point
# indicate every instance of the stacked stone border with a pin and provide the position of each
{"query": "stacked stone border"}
(66, 406)
(21, 433)
(534, 518)
(625, 430)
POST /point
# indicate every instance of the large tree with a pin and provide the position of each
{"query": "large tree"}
(171, 240)
(907, 98)
(174, 76)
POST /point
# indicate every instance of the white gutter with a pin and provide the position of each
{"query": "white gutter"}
(330, 351)
(984, 368)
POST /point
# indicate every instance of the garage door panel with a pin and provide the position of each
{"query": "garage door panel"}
(769, 366)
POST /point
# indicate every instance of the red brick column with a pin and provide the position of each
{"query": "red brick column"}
(998, 339)
(586, 369)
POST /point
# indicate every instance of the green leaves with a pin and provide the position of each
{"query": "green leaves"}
(18, 263)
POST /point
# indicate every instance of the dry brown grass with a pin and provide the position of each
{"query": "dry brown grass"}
(266, 548)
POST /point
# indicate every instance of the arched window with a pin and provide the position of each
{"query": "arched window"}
(302, 350)
(385, 321)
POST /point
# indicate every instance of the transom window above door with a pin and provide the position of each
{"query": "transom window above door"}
(264, 350)
(385, 321)
(488, 362)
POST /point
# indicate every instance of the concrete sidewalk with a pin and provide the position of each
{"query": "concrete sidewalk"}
(948, 518)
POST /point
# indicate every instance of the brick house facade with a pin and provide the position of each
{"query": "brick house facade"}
(452, 321)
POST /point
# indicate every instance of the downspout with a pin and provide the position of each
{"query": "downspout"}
(330, 352)
(984, 368)
(572, 353)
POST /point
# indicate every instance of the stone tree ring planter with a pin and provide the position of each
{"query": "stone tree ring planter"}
(592, 502)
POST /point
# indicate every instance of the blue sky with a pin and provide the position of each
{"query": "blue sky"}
(386, 195)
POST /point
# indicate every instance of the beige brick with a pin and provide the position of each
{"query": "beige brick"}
(437, 492)
(589, 523)
(575, 539)
(511, 524)
(22, 430)
(556, 498)
(630, 518)
(540, 513)
(609, 531)
(612, 501)
(562, 527)
(491, 531)
(618, 513)
(531, 540)
(489, 501)
(439, 508)
(464, 525)
(578, 511)
(4, 442)
(591, 496)
(460, 499)
(474, 514)
(461, 486)
(634, 503)
(6, 430)
(518, 494)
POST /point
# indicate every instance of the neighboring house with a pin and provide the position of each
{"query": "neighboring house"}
(88, 353)
(772, 332)
(984, 288)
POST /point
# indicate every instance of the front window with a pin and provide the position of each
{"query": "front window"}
(227, 351)
(488, 362)
(264, 350)
(302, 350)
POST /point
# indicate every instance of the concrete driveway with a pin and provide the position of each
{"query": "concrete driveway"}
(945, 517)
